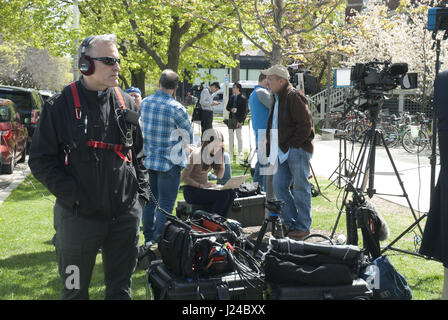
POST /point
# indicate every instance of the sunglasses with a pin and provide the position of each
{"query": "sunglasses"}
(108, 60)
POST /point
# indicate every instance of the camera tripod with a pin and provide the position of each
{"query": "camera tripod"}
(346, 167)
(315, 190)
(364, 176)
(275, 209)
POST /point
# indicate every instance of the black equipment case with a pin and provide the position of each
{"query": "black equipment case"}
(165, 285)
(249, 211)
(359, 290)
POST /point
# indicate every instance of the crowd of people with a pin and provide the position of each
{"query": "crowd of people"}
(115, 159)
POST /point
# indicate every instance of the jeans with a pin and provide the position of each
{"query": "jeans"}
(164, 186)
(261, 152)
(228, 170)
(261, 179)
(296, 212)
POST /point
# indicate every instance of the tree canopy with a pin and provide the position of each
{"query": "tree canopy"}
(292, 30)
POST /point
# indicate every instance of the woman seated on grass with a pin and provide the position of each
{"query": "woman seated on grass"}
(195, 176)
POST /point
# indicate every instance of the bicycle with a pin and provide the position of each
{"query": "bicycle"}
(417, 135)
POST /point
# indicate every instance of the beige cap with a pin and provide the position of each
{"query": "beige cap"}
(277, 70)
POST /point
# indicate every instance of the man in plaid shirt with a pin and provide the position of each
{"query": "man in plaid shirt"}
(166, 132)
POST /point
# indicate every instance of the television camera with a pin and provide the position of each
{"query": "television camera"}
(374, 78)
(371, 77)
(302, 79)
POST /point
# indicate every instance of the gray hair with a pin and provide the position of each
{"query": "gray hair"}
(104, 38)
(169, 79)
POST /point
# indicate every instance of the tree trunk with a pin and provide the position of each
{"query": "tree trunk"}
(278, 12)
(125, 81)
(322, 72)
(236, 71)
(138, 78)
(176, 33)
(277, 55)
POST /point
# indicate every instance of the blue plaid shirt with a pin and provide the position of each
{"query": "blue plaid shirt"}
(160, 116)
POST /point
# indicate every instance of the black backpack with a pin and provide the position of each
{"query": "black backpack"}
(176, 245)
(248, 189)
(193, 248)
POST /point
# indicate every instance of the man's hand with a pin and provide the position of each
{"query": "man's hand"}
(239, 125)
(215, 103)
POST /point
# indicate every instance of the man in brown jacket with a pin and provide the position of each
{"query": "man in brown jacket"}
(289, 143)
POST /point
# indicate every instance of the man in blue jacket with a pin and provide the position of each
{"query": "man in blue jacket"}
(260, 102)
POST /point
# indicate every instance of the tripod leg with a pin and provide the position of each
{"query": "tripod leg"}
(400, 182)
(317, 184)
(343, 205)
(279, 226)
(360, 160)
(260, 237)
(389, 246)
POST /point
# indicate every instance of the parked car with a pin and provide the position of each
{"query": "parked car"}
(29, 103)
(46, 94)
(13, 136)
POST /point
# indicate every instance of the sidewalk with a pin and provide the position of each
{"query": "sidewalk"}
(8, 182)
(414, 170)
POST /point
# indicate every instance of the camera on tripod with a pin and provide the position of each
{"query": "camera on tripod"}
(197, 89)
(302, 79)
(378, 77)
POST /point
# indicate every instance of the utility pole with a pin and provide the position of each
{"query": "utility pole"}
(328, 104)
(76, 28)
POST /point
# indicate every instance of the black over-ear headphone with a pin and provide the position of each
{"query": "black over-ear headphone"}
(85, 62)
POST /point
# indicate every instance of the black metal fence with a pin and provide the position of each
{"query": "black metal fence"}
(411, 104)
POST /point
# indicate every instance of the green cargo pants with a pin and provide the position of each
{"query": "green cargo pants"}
(78, 240)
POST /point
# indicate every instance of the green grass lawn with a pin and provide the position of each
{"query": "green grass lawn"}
(28, 268)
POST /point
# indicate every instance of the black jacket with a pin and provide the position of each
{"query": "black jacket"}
(241, 108)
(435, 236)
(104, 185)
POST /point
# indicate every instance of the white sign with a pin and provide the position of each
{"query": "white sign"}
(342, 77)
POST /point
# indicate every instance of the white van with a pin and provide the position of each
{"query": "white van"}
(223, 94)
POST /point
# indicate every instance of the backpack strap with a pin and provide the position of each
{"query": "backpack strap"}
(117, 149)
(78, 111)
(120, 98)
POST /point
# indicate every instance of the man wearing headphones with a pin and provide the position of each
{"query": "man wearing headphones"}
(88, 151)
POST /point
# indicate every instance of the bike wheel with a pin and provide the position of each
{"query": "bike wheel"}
(354, 130)
(414, 143)
(391, 136)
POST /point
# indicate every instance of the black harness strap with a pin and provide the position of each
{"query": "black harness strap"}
(116, 148)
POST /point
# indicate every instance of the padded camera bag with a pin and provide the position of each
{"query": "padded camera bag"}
(176, 246)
